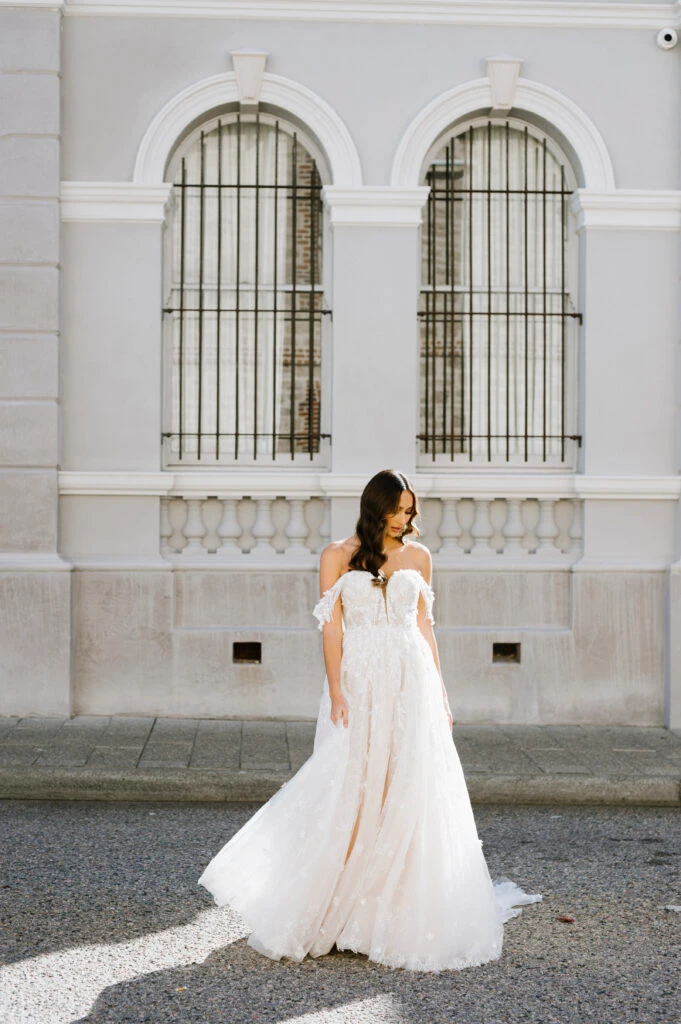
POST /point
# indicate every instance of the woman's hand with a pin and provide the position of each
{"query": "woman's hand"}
(339, 710)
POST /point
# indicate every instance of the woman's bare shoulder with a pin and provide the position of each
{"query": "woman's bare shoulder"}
(422, 556)
(337, 553)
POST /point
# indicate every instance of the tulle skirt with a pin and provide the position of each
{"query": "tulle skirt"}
(372, 845)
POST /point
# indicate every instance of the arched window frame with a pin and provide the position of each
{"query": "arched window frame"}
(563, 154)
(291, 126)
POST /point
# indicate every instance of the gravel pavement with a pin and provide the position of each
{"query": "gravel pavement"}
(103, 922)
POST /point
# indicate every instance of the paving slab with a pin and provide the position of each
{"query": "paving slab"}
(147, 758)
(127, 731)
(217, 745)
(66, 754)
(6, 727)
(264, 746)
(161, 754)
(114, 757)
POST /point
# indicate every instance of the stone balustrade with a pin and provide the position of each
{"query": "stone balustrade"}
(463, 528)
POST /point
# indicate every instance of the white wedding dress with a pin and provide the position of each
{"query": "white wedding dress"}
(415, 891)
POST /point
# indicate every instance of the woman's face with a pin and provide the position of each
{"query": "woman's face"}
(397, 522)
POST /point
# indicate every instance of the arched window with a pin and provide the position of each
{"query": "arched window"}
(243, 299)
(498, 317)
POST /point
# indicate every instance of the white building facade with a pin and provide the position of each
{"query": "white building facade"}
(251, 254)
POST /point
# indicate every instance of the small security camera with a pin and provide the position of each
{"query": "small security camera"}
(667, 38)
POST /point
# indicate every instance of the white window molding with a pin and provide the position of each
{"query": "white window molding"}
(530, 97)
(197, 99)
(121, 201)
(639, 209)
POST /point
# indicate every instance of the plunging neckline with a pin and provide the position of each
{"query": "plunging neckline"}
(388, 578)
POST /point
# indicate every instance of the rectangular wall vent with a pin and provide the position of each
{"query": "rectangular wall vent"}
(247, 652)
(506, 653)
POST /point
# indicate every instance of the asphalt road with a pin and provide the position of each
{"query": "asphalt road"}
(102, 921)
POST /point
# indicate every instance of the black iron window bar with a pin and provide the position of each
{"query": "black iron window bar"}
(465, 300)
(246, 295)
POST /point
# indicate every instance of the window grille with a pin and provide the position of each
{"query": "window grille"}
(244, 299)
(498, 324)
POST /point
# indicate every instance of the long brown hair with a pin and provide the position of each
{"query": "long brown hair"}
(380, 498)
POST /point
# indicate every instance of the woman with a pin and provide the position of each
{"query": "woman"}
(372, 845)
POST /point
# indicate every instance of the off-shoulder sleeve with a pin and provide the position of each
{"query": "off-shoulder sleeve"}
(428, 597)
(323, 610)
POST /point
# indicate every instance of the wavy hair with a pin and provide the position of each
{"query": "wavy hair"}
(380, 498)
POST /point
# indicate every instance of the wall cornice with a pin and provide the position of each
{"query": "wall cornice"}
(638, 209)
(474, 12)
(375, 205)
(120, 201)
(341, 485)
(378, 205)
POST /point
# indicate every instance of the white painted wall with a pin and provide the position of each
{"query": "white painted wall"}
(81, 363)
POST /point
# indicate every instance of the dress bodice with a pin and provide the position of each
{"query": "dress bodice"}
(367, 604)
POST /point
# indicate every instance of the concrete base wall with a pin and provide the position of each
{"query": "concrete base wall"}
(160, 643)
(35, 641)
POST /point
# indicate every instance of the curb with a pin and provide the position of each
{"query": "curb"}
(234, 785)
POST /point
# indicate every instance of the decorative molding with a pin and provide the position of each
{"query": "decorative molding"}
(208, 93)
(249, 67)
(216, 482)
(547, 485)
(628, 488)
(341, 485)
(529, 13)
(533, 97)
(120, 563)
(503, 76)
(600, 565)
(120, 201)
(382, 205)
(25, 561)
(628, 208)
(378, 205)
(55, 4)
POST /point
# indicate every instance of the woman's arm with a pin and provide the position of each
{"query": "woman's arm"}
(330, 566)
(426, 627)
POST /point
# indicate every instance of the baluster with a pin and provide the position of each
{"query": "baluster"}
(166, 528)
(297, 528)
(263, 528)
(194, 528)
(547, 529)
(450, 530)
(325, 525)
(229, 529)
(482, 529)
(575, 531)
(514, 530)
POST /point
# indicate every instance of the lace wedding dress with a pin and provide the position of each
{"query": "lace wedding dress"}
(372, 844)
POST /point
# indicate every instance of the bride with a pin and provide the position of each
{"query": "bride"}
(372, 845)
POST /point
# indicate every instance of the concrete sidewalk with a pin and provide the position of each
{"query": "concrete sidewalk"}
(125, 758)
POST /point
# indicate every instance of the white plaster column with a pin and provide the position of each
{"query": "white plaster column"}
(111, 365)
(35, 582)
(375, 282)
(627, 372)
